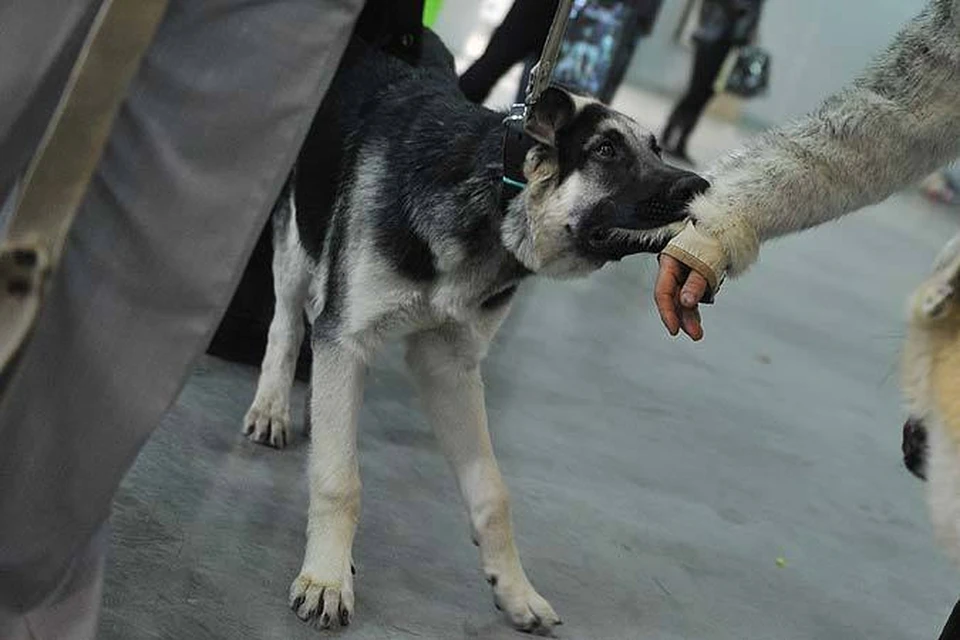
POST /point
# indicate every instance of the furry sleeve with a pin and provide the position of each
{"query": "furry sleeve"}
(894, 124)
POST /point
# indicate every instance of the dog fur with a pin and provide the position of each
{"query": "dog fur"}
(931, 379)
(392, 226)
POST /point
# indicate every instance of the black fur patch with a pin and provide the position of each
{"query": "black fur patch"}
(405, 250)
(319, 167)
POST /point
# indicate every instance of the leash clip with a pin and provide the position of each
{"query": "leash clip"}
(514, 148)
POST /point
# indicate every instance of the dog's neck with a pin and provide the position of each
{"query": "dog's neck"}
(516, 234)
(509, 216)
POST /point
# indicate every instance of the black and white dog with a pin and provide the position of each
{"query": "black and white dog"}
(408, 235)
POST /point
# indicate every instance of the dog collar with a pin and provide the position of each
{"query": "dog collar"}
(516, 143)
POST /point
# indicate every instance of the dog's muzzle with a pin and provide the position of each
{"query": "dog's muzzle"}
(616, 228)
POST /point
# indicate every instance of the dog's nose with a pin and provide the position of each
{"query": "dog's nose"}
(914, 447)
(684, 189)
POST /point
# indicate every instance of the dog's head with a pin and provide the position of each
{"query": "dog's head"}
(931, 358)
(598, 189)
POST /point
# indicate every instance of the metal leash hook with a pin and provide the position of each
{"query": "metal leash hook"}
(542, 71)
(516, 140)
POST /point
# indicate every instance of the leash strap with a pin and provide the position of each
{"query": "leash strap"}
(516, 141)
(60, 171)
(542, 72)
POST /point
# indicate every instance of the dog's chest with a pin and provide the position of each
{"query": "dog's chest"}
(388, 307)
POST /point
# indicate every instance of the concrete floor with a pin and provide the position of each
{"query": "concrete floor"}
(655, 482)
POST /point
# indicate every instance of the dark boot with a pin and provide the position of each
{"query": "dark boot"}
(674, 138)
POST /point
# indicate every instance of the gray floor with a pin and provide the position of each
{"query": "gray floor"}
(655, 482)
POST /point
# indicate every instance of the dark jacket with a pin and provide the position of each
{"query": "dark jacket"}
(733, 21)
(647, 11)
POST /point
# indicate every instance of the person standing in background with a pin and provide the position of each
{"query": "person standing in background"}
(724, 24)
(520, 38)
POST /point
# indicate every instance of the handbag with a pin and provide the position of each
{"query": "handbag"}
(745, 72)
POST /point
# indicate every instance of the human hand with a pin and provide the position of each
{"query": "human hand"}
(678, 293)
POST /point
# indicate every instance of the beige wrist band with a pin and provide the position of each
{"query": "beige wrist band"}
(702, 253)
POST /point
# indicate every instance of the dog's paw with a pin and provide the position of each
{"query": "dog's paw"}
(527, 609)
(267, 423)
(326, 601)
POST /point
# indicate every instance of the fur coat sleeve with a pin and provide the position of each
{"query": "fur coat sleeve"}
(891, 126)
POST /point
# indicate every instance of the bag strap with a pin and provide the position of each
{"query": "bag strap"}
(63, 165)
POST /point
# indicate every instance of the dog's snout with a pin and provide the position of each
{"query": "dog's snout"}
(684, 189)
(914, 446)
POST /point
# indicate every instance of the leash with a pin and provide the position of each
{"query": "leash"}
(61, 168)
(516, 140)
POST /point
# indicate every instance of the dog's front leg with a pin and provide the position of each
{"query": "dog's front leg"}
(268, 419)
(447, 368)
(324, 588)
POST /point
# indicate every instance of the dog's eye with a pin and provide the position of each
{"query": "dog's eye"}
(605, 150)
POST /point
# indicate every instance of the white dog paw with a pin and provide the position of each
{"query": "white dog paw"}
(267, 423)
(527, 609)
(325, 600)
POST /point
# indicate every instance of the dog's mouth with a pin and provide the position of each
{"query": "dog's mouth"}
(618, 231)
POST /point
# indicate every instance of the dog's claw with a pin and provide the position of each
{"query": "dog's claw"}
(297, 602)
(324, 602)
(526, 609)
(267, 424)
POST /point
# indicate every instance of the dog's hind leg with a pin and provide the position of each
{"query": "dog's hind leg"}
(268, 419)
(446, 365)
(324, 588)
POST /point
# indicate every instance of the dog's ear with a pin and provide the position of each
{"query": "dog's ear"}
(553, 111)
(948, 257)
(943, 287)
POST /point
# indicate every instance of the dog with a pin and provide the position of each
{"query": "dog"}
(397, 223)
(931, 382)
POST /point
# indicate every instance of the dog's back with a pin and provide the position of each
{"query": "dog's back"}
(396, 171)
(366, 77)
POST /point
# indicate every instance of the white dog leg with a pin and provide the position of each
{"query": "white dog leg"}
(268, 419)
(448, 373)
(324, 588)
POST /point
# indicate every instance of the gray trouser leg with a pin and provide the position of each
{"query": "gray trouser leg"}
(72, 610)
(199, 151)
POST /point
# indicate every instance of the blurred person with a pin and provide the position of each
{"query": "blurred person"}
(522, 34)
(210, 126)
(894, 124)
(724, 24)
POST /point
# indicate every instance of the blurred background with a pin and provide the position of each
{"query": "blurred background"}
(817, 46)
(640, 56)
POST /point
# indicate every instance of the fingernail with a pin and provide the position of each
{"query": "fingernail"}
(687, 299)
